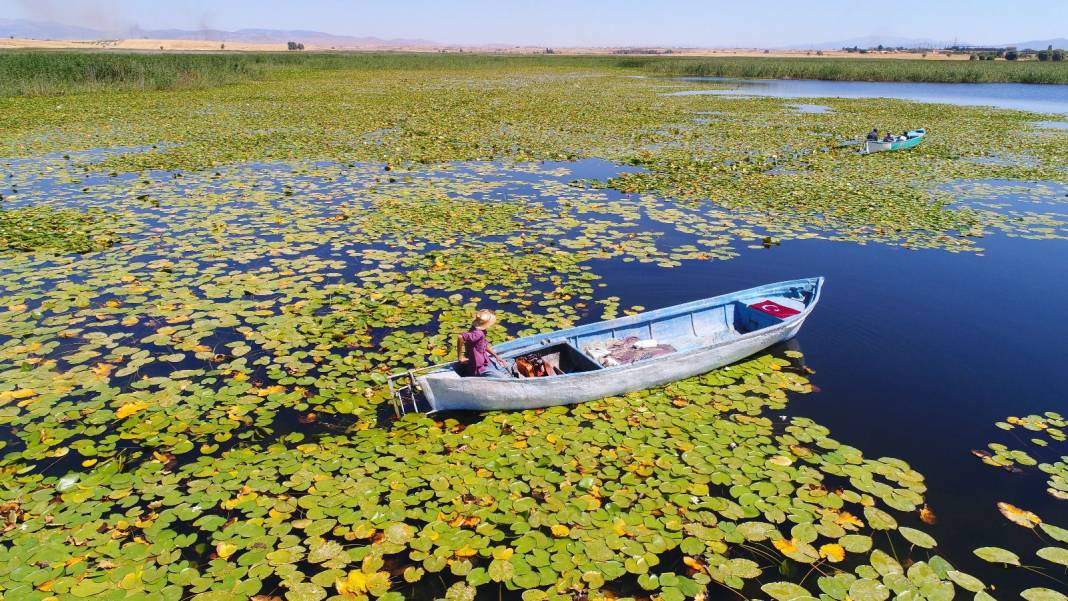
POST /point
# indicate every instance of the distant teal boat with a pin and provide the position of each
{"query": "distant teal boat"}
(691, 339)
(912, 138)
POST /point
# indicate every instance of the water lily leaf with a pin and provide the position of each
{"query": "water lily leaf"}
(325, 552)
(966, 581)
(460, 591)
(305, 591)
(1054, 554)
(500, 570)
(917, 537)
(856, 543)
(1056, 533)
(1042, 594)
(866, 589)
(785, 591)
(225, 550)
(833, 552)
(884, 564)
(879, 519)
(1020, 517)
(89, 588)
(998, 555)
(414, 574)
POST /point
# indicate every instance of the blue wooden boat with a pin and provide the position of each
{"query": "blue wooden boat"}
(699, 336)
(912, 138)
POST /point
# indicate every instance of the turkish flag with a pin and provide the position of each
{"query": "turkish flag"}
(775, 309)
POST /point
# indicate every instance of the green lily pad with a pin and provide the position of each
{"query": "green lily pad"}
(1055, 554)
(998, 555)
(917, 537)
(1042, 594)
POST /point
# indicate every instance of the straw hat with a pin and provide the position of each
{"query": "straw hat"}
(484, 318)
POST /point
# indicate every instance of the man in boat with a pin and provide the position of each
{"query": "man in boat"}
(873, 135)
(889, 137)
(473, 351)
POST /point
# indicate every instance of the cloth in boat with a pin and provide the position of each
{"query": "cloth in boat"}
(774, 309)
(627, 350)
(494, 370)
(475, 346)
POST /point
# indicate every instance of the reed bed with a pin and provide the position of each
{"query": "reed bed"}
(44, 72)
(857, 69)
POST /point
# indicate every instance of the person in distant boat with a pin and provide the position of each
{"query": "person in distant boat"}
(889, 137)
(474, 353)
(873, 135)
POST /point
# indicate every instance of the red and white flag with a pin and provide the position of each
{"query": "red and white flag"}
(775, 309)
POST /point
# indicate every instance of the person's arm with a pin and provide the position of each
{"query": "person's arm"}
(490, 350)
(460, 356)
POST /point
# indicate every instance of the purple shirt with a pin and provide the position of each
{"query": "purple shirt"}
(475, 350)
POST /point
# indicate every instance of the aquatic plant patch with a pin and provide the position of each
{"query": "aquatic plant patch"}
(32, 228)
(1049, 430)
(555, 502)
(205, 403)
(545, 113)
(198, 412)
(1044, 429)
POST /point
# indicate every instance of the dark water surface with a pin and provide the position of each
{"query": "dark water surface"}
(917, 354)
(1039, 98)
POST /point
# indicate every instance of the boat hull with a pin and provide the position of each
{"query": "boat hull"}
(446, 391)
(913, 140)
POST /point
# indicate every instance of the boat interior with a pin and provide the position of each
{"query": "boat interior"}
(595, 349)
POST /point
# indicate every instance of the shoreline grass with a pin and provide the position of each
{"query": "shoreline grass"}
(49, 73)
(53, 73)
(859, 69)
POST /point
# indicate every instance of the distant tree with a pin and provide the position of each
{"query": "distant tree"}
(1056, 55)
(300, 46)
(1011, 55)
(879, 47)
(819, 53)
(222, 46)
(550, 51)
(1043, 55)
(973, 57)
(295, 45)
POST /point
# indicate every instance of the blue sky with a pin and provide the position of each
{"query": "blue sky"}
(762, 23)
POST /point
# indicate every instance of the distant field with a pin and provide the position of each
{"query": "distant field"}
(37, 73)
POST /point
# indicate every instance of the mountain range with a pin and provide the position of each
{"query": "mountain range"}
(24, 28)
